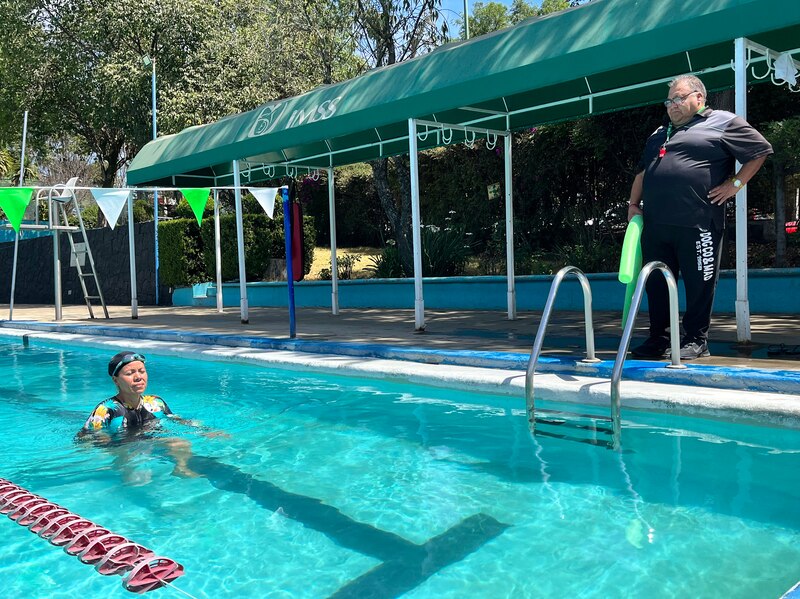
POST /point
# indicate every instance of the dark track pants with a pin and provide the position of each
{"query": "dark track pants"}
(696, 254)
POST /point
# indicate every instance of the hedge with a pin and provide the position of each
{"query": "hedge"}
(186, 251)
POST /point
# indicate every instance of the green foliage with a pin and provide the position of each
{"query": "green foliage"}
(444, 251)
(359, 218)
(387, 265)
(487, 17)
(263, 241)
(589, 256)
(90, 214)
(344, 267)
(180, 253)
(785, 139)
(142, 211)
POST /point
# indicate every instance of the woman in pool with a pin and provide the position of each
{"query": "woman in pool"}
(131, 409)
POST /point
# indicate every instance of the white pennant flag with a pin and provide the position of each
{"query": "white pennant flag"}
(265, 197)
(111, 202)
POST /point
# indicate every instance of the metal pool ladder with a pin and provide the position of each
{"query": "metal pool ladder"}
(622, 352)
(565, 418)
(614, 419)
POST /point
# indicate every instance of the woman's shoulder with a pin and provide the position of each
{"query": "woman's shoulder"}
(155, 404)
(107, 406)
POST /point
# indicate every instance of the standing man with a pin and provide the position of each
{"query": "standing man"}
(685, 177)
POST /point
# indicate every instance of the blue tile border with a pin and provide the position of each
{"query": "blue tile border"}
(700, 375)
(793, 593)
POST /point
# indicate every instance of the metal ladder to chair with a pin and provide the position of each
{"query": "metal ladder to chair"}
(583, 423)
(616, 430)
(63, 200)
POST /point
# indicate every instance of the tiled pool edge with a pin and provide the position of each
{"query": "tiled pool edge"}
(695, 375)
(734, 405)
(793, 593)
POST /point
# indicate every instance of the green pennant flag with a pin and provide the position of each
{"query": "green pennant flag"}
(14, 201)
(197, 198)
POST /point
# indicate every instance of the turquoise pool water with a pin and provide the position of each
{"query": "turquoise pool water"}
(344, 487)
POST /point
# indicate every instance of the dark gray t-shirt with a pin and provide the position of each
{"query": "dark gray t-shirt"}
(699, 156)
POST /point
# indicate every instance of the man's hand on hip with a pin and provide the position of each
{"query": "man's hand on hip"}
(722, 193)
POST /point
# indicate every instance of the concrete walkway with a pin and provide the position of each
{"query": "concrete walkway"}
(776, 338)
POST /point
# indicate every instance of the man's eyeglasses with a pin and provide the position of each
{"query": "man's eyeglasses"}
(679, 100)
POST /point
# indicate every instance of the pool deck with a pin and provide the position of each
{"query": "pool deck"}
(445, 330)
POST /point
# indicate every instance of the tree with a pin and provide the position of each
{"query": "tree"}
(487, 17)
(785, 139)
(521, 10)
(77, 64)
(388, 32)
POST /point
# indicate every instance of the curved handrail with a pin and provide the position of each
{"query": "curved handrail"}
(674, 332)
(539, 341)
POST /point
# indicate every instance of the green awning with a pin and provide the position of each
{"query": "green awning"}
(603, 56)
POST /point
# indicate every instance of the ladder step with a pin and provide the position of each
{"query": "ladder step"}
(595, 442)
(88, 297)
(86, 274)
(576, 414)
(568, 424)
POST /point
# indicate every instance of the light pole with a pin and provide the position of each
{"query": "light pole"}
(466, 20)
(148, 62)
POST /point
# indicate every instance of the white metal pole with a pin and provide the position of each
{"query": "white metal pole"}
(22, 154)
(13, 277)
(419, 301)
(155, 192)
(132, 255)
(56, 258)
(218, 251)
(237, 192)
(16, 233)
(512, 292)
(334, 262)
(742, 299)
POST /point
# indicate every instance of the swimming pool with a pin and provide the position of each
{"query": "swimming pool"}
(353, 487)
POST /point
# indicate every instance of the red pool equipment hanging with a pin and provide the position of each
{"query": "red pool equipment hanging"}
(109, 553)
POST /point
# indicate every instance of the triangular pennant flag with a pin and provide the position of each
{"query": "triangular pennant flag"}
(111, 202)
(14, 201)
(265, 197)
(197, 198)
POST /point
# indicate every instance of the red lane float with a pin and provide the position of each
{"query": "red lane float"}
(108, 552)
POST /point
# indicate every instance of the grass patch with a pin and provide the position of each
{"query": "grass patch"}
(322, 260)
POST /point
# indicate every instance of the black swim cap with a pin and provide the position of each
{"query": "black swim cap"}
(122, 358)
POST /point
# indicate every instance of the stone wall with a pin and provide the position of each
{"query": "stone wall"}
(34, 283)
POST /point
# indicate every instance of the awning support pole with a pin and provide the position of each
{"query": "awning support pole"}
(512, 292)
(334, 264)
(56, 258)
(132, 255)
(287, 236)
(218, 252)
(742, 300)
(16, 236)
(14, 277)
(237, 194)
(413, 159)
